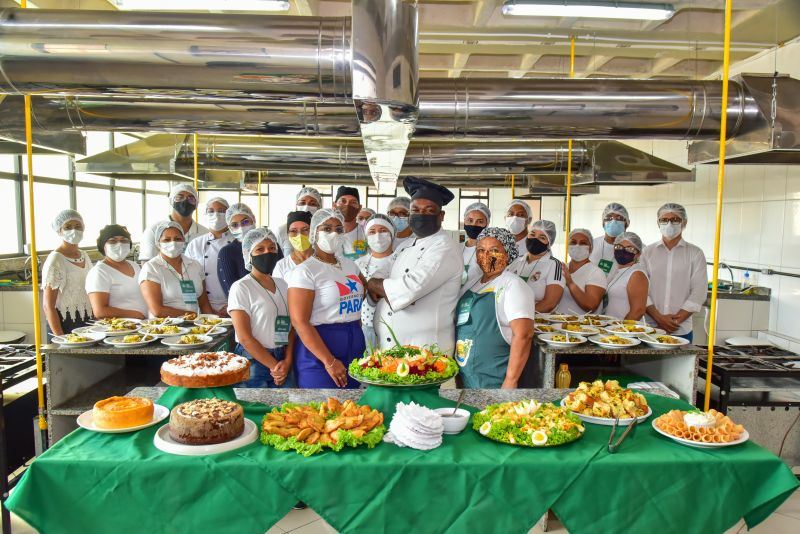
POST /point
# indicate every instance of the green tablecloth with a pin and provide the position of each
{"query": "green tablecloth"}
(99, 482)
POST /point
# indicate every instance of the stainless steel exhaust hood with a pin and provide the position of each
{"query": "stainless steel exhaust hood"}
(45, 141)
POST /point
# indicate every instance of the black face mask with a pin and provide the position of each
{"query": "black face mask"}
(265, 263)
(424, 225)
(184, 208)
(535, 246)
(473, 231)
(624, 257)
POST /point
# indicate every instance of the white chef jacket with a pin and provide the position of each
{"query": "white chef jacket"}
(421, 294)
(205, 250)
(602, 250)
(401, 243)
(678, 280)
(148, 248)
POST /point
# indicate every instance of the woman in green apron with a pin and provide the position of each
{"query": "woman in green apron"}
(494, 317)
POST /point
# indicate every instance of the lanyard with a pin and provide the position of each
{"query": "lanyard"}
(617, 277)
(522, 271)
(277, 310)
(174, 272)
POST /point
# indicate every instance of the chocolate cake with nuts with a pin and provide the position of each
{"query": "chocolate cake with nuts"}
(206, 421)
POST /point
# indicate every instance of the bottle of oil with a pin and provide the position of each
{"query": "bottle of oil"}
(563, 376)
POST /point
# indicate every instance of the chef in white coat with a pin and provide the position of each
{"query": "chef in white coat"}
(418, 297)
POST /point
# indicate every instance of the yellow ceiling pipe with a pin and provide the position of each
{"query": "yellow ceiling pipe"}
(196, 172)
(568, 211)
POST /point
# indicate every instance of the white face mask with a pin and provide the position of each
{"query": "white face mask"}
(172, 249)
(579, 252)
(329, 241)
(379, 242)
(73, 237)
(516, 225)
(117, 251)
(670, 230)
(306, 207)
(216, 221)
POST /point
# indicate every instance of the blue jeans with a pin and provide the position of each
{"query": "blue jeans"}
(260, 377)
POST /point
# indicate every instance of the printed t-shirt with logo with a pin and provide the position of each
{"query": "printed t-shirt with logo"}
(338, 293)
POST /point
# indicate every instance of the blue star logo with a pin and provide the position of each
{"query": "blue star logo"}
(352, 285)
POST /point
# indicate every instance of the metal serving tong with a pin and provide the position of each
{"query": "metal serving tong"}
(613, 447)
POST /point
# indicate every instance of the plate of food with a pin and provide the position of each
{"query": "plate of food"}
(186, 341)
(189, 317)
(561, 318)
(540, 319)
(116, 415)
(75, 341)
(162, 321)
(664, 341)
(212, 320)
(207, 330)
(591, 320)
(577, 328)
(629, 330)
(544, 328)
(130, 341)
(528, 423)
(118, 328)
(205, 426)
(313, 427)
(563, 339)
(111, 321)
(168, 330)
(83, 329)
(602, 403)
(704, 430)
(614, 341)
(595, 317)
(404, 366)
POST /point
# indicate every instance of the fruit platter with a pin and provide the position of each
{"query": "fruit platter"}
(528, 423)
(404, 366)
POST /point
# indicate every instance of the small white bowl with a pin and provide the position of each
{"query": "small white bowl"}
(456, 423)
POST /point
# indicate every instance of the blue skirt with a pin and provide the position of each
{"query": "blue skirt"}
(346, 343)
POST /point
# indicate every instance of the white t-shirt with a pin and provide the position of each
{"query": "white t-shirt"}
(618, 304)
(283, 268)
(602, 250)
(513, 300)
(205, 250)
(354, 243)
(369, 266)
(123, 290)
(588, 274)
(539, 273)
(338, 293)
(522, 248)
(159, 271)
(249, 296)
(148, 248)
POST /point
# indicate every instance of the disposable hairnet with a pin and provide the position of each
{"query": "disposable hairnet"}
(671, 207)
(163, 225)
(320, 217)
(381, 220)
(252, 238)
(63, 217)
(520, 203)
(310, 192)
(583, 231)
(505, 237)
(481, 207)
(617, 209)
(217, 199)
(368, 210)
(548, 227)
(238, 209)
(182, 188)
(635, 240)
(399, 202)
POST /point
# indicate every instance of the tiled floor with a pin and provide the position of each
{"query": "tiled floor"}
(786, 520)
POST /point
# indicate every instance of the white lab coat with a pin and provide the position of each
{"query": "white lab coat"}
(421, 294)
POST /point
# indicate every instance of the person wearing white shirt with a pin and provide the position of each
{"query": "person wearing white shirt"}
(518, 216)
(494, 319)
(172, 283)
(626, 295)
(417, 300)
(307, 199)
(476, 218)
(113, 283)
(364, 215)
(325, 296)
(380, 233)
(183, 199)
(299, 226)
(258, 305)
(398, 211)
(585, 283)
(354, 240)
(543, 272)
(615, 221)
(205, 250)
(678, 275)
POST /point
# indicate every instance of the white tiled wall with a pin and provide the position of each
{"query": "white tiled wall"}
(16, 313)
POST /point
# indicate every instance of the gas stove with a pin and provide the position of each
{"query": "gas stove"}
(17, 363)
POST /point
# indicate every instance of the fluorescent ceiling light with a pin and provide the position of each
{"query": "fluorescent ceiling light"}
(202, 5)
(588, 9)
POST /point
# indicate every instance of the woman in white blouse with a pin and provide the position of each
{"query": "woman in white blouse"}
(628, 285)
(585, 282)
(113, 283)
(172, 283)
(380, 236)
(66, 304)
(258, 307)
(543, 272)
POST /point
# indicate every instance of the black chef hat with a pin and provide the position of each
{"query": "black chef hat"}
(419, 188)
(294, 216)
(112, 230)
(344, 190)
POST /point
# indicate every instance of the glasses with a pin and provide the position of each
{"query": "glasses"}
(670, 220)
(180, 197)
(397, 212)
(328, 229)
(632, 250)
(614, 217)
(294, 232)
(240, 224)
(118, 240)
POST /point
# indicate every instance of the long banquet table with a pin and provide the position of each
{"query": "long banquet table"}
(90, 482)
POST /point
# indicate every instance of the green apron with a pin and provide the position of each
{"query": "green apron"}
(481, 351)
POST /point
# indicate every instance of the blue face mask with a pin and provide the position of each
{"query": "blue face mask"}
(614, 228)
(400, 223)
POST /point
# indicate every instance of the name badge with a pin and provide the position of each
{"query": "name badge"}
(282, 326)
(189, 292)
(464, 308)
(605, 265)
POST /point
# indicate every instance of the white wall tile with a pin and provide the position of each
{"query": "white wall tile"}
(734, 314)
(19, 306)
(788, 307)
(790, 253)
(770, 243)
(753, 183)
(750, 229)
(761, 317)
(775, 182)
(793, 182)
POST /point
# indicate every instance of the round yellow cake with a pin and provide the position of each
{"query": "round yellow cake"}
(122, 412)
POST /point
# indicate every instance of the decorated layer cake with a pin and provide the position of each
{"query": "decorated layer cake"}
(122, 412)
(206, 421)
(205, 370)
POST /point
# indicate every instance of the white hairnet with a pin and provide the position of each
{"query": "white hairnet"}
(522, 203)
(322, 215)
(163, 225)
(481, 207)
(217, 199)
(368, 210)
(182, 188)
(633, 238)
(671, 207)
(252, 238)
(616, 209)
(399, 202)
(238, 209)
(381, 220)
(548, 227)
(583, 231)
(63, 217)
(309, 192)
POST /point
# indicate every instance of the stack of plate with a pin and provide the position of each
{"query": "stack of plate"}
(415, 426)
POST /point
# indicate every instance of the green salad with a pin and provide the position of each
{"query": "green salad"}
(404, 365)
(528, 423)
